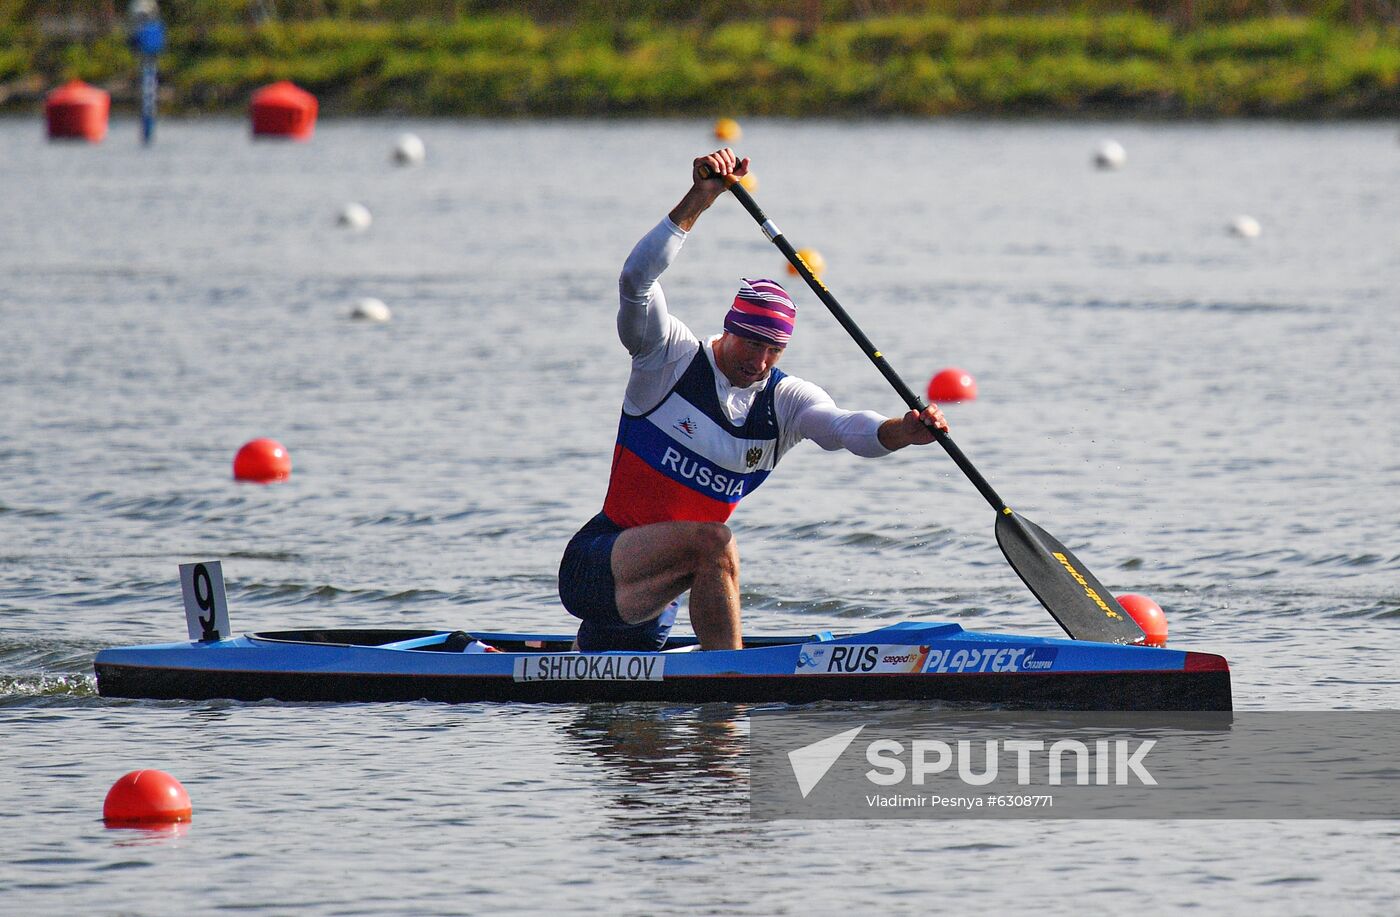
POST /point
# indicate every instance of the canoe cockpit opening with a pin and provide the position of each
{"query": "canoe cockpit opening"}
(436, 641)
(348, 637)
(428, 641)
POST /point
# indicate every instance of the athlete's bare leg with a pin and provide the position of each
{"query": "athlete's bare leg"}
(653, 564)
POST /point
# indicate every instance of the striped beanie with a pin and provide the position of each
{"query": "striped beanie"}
(762, 311)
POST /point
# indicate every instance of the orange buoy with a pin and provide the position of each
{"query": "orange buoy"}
(146, 797)
(951, 384)
(813, 259)
(77, 111)
(262, 461)
(728, 130)
(1148, 615)
(283, 109)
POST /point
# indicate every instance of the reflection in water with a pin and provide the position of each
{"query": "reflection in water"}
(213, 713)
(669, 765)
(127, 835)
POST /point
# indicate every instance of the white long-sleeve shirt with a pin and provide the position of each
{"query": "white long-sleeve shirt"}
(662, 347)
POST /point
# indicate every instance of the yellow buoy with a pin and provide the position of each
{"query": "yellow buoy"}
(727, 129)
(813, 259)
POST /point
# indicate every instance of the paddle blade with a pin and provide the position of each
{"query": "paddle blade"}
(1084, 608)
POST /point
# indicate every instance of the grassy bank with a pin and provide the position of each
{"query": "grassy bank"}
(915, 63)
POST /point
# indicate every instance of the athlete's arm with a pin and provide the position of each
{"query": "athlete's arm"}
(706, 184)
(912, 429)
(806, 411)
(642, 319)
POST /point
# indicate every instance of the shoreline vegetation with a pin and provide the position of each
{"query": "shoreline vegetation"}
(832, 58)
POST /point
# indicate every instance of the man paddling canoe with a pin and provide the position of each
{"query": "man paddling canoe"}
(703, 424)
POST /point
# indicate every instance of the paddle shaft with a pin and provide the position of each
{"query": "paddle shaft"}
(1073, 595)
(915, 403)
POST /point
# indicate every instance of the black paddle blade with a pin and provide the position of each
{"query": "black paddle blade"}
(1084, 608)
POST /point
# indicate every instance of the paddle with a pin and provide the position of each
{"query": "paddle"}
(1073, 595)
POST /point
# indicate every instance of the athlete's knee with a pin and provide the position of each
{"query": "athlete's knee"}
(716, 546)
(712, 538)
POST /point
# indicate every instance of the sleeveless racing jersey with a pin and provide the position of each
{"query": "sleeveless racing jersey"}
(683, 460)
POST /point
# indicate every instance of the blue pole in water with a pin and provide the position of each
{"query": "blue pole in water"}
(148, 39)
(148, 99)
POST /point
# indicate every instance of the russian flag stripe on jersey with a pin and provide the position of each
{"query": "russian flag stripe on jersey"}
(677, 462)
(674, 461)
(640, 495)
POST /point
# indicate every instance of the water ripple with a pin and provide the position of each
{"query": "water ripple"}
(28, 512)
(16, 687)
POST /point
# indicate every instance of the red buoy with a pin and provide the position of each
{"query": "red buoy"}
(283, 109)
(77, 111)
(262, 461)
(1148, 615)
(951, 384)
(146, 797)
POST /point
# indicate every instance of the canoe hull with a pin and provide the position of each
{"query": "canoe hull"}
(905, 662)
(1077, 691)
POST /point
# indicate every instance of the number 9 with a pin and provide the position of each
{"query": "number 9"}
(204, 598)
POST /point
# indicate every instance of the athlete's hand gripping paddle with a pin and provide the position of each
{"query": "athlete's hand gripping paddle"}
(1073, 595)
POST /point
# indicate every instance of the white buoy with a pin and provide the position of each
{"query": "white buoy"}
(1246, 227)
(409, 151)
(369, 309)
(1110, 155)
(354, 216)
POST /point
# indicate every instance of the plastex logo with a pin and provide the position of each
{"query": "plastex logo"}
(1008, 659)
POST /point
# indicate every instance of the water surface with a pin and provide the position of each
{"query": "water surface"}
(1204, 419)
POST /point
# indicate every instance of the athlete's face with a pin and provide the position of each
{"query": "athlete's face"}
(744, 361)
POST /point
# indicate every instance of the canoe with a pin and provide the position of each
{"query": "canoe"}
(910, 661)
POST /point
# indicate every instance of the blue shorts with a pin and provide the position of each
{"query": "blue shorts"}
(587, 589)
